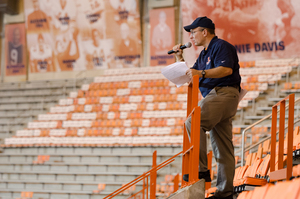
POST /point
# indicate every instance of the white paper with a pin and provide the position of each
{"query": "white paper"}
(242, 94)
(176, 73)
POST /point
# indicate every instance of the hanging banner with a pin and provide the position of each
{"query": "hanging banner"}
(258, 29)
(162, 37)
(15, 49)
(123, 28)
(75, 35)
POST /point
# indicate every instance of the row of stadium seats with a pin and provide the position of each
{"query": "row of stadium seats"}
(94, 141)
(291, 87)
(122, 100)
(81, 132)
(283, 190)
(265, 70)
(257, 63)
(270, 63)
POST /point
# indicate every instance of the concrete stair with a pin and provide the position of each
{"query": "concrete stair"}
(74, 172)
(194, 191)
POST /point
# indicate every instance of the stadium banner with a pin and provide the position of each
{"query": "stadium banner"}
(15, 49)
(162, 34)
(262, 29)
(76, 35)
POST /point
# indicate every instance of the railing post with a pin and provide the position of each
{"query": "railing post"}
(147, 190)
(195, 140)
(282, 173)
(289, 161)
(281, 134)
(195, 91)
(153, 177)
(273, 138)
(144, 187)
(176, 183)
(209, 167)
(190, 159)
(185, 156)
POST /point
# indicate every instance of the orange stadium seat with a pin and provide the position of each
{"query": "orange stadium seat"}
(243, 195)
(80, 93)
(130, 190)
(260, 192)
(297, 85)
(26, 195)
(288, 86)
(296, 170)
(101, 187)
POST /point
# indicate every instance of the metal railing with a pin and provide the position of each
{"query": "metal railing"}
(245, 132)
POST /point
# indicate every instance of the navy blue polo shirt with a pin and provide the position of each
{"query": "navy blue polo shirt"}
(218, 53)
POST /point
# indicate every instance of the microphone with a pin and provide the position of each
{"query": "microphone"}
(187, 45)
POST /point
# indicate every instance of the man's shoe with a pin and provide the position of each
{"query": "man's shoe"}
(227, 197)
(205, 175)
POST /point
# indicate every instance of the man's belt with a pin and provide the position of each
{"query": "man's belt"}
(234, 86)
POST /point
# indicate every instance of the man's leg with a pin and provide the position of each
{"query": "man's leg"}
(218, 106)
(221, 141)
(224, 108)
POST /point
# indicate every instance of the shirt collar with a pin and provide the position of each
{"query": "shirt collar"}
(210, 44)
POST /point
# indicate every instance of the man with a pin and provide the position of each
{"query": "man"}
(37, 20)
(288, 12)
(41, 56)
(218, 69)
(125, 9)
(67, 50)
(15, 48)
(128, 50)
(64, 13)
(94, 13)
(162, 35)
(95, 57)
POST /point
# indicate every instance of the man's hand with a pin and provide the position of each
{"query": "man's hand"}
(178, 53)
(193, 72)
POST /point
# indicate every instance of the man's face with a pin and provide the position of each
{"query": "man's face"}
(197, 36)
(162, 17)
(124, 32)
(96, 37)
(36, 5)
(40, 43)
(16, 36)
(62, 2)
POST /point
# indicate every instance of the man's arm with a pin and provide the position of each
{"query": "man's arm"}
(218, 72)
(178, 52)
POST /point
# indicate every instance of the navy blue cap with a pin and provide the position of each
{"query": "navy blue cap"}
(200, 22)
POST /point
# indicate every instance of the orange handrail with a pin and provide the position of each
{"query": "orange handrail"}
(209, 167)
(190, 153)
(190, 158)
(282, 173)
(144, 176)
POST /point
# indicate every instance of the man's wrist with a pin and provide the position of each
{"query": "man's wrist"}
(203, 73)
(179, 59)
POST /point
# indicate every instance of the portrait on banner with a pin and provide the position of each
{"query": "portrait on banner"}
(15, 49)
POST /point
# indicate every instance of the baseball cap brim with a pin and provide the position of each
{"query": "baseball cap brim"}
(200, 22)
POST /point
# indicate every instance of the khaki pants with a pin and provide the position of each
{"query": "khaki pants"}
(217, 110)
